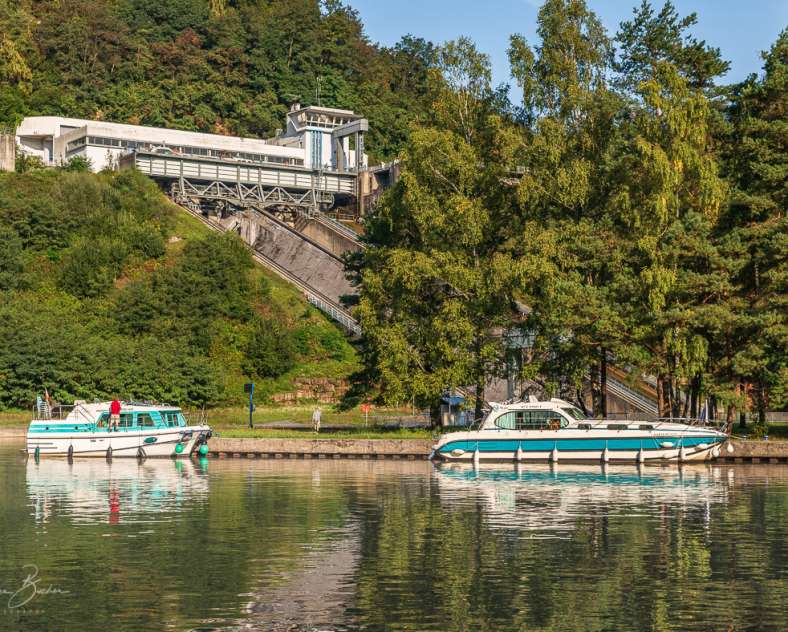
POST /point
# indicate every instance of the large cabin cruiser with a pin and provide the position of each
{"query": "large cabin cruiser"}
(143, 430)
(557, 430)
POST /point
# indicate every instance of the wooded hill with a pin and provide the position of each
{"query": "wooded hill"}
(223, 66)
(109, 290)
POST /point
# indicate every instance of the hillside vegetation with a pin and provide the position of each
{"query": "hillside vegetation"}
(208, 65)
(107, 289)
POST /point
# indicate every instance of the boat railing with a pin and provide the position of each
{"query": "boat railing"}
(56, 412)
(657, 421)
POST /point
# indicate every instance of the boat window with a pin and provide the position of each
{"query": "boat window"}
(531, 420)
(144, 419)
(170, 418)
(126, 420)
(645, 427)
(617, 426)
(574, 413)
(506, 421)
(103, 419)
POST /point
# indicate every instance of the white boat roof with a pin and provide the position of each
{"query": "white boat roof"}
(549, 404)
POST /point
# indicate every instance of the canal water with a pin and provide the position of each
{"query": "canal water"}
(389, 545)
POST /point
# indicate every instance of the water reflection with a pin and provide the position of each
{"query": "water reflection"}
(550, 498)
(123, 490)
(355, 545)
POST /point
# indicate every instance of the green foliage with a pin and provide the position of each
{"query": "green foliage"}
(270, 351)
(640, 223)
(78, 164)
(207, 65)
(96, 303)
(25, 162)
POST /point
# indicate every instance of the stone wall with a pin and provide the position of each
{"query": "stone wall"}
(322, 389)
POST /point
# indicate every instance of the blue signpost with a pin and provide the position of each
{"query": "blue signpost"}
(249, 388)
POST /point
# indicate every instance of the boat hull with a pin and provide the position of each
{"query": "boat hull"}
(160, 442)
(581, 450)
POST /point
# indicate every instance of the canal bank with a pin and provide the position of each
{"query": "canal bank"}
(743, 451)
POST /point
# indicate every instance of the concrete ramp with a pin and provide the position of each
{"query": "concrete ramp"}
(303, 258)
(316, 272)
(329, 234)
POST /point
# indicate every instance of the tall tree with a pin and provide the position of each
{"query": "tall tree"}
(570, 113)
(754, 229)
(668, 193)
(437, 281)
(651, 38)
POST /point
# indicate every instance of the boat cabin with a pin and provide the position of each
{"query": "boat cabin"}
(94, 417)
(533, 415)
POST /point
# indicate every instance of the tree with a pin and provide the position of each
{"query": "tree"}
(564, 191)
(754, 229)
(270, 351)
(437, 279)
(650, 39)
(668, 193)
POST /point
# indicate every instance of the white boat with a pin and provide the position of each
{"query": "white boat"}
(556, 430)
(145, 430)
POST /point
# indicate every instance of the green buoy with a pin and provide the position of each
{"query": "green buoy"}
(203, 449)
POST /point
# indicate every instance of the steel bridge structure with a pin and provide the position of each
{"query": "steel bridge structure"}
(246, 185)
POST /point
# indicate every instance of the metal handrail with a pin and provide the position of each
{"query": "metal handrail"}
(312, 295)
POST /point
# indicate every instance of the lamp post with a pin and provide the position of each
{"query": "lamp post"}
(249, 388)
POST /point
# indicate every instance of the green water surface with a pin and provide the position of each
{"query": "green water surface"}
(395, 545)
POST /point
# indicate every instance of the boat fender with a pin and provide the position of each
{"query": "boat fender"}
(203, 450)
(641, 456)
(682, 454)
(476, 457)
(729, 448)
(554, 455)
(457, 452)
(178, 448)
(666, 444)
(519, 454)
(715, 451)
(605, 455)
(140, 453)
(70, 452)
(37, 453)
(109, 453)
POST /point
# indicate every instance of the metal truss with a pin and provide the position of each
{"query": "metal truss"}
(253, 195)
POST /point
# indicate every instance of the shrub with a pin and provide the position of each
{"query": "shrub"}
(270, 351)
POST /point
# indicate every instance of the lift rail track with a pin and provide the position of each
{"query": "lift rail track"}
(315, 297)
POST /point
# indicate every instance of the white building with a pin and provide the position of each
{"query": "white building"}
(316, 138)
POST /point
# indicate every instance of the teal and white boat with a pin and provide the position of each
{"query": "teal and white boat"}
(557, 430)
(82, 430)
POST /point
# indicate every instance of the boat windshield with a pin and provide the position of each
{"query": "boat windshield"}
(574, 413)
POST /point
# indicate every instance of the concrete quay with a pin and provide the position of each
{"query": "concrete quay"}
(321, 448)
(743, 451)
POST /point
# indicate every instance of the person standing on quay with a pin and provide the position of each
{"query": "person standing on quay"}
(316, 419)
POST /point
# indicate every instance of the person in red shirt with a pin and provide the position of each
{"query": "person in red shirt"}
(114, 415)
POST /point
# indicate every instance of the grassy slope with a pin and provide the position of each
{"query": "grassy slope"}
(55, 197)
(286, 301)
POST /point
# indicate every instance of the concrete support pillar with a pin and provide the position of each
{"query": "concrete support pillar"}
(359, 151)
(7, 152)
